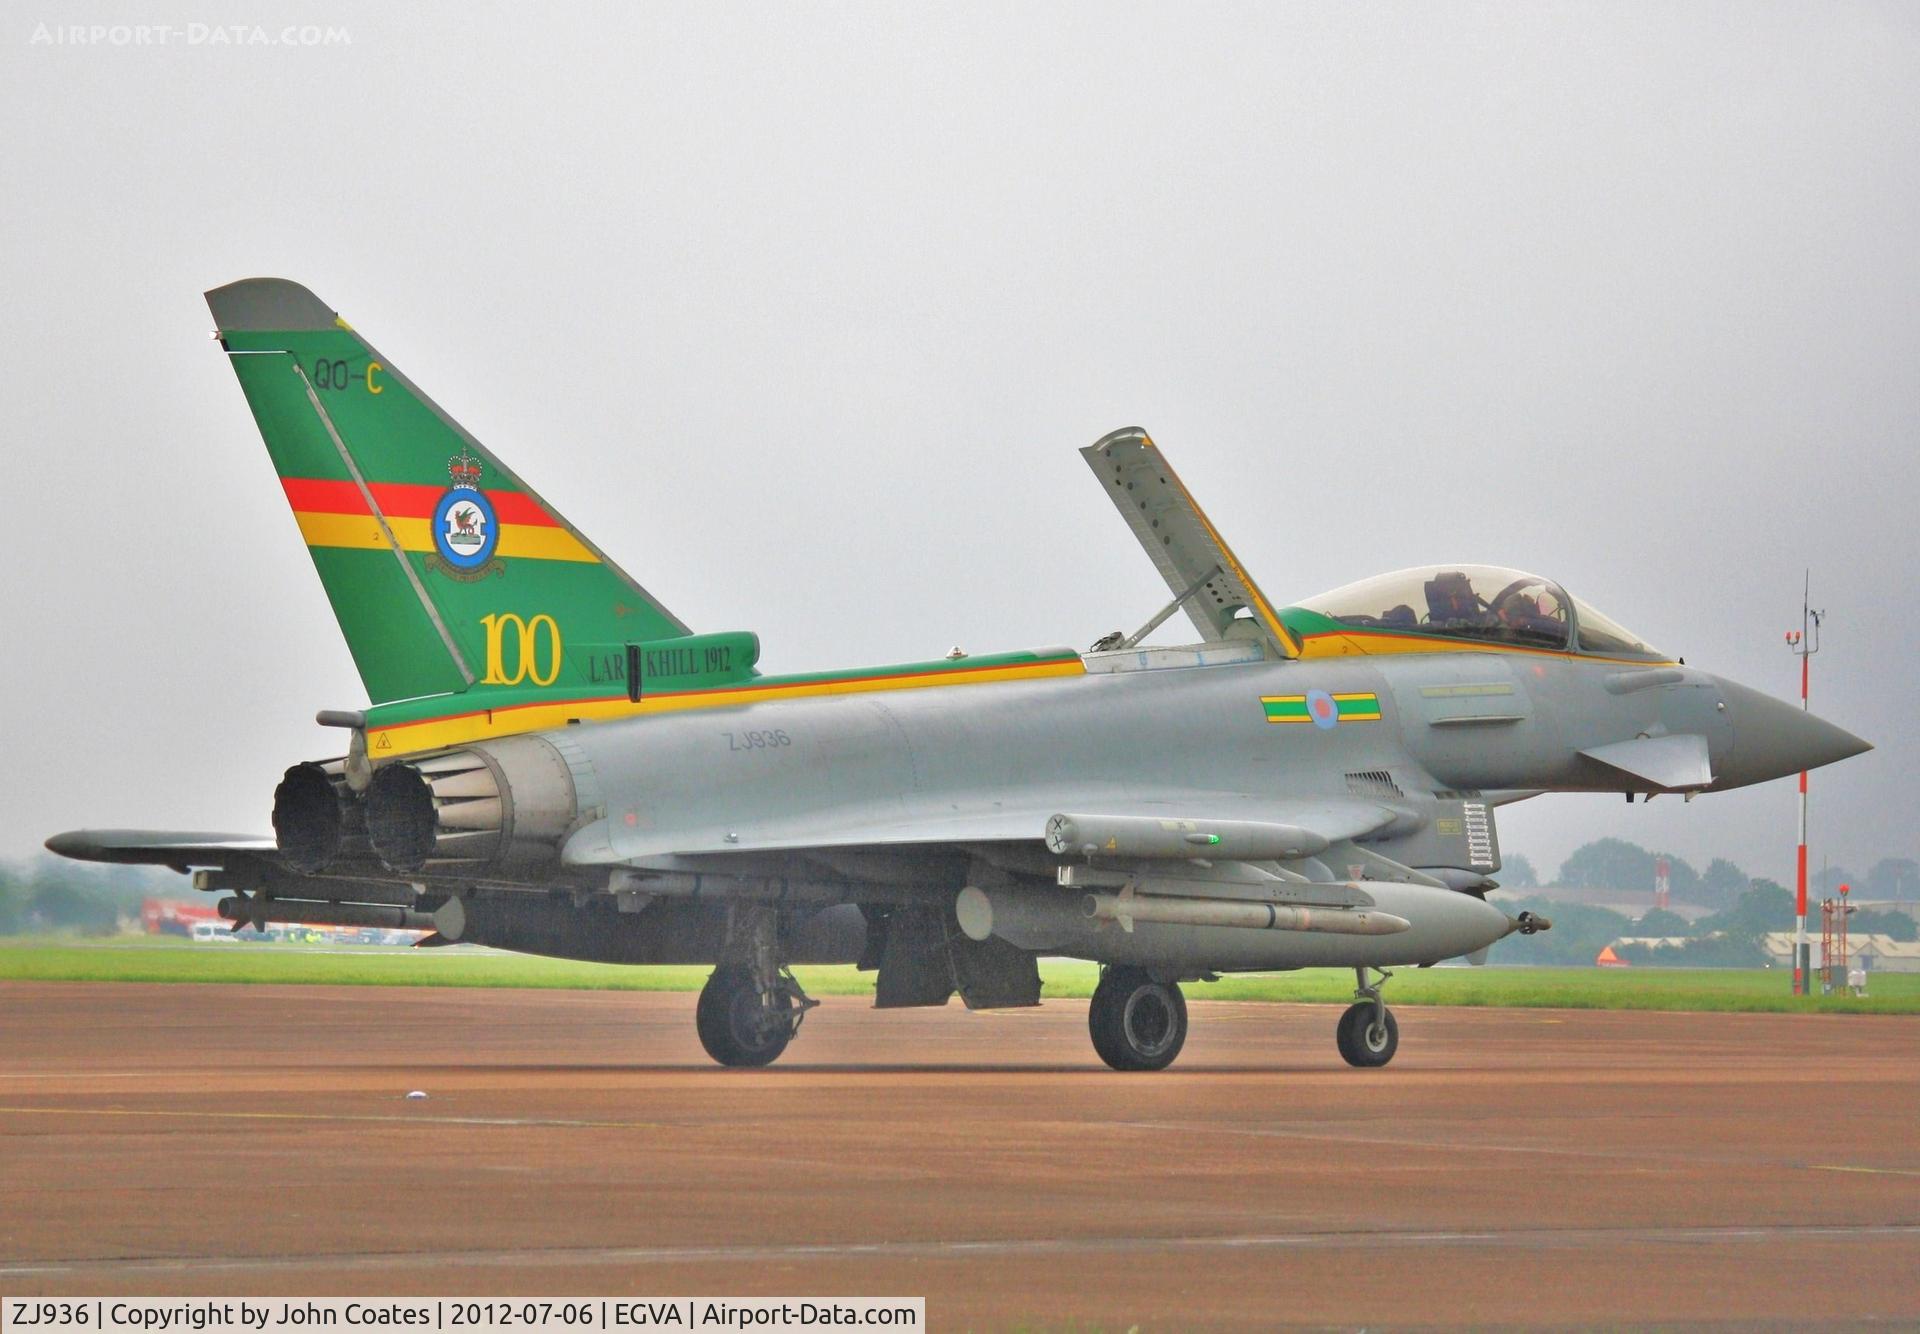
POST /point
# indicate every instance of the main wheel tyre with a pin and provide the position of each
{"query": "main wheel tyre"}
(1364, 1042)
(1136, 1022)
(735, 1028)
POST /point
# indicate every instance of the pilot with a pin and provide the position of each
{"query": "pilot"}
(1532, 614)
(1521, 612)
(1451, 600)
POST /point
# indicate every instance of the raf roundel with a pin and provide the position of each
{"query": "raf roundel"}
(1321, 708)
(465, 530)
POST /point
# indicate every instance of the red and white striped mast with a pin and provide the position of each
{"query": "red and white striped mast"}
(1805, 642)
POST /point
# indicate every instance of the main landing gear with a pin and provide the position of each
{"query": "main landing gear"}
(1140, 1024)
(749, 1012)
(1136, 1022)
(740, 1024)
(1367, 1035)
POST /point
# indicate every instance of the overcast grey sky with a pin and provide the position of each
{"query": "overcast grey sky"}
(801, 311)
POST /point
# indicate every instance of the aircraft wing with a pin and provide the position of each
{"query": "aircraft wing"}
(1205, 577)
(613, 842)
(159, 847)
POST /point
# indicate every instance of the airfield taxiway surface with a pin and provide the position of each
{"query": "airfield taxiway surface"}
(1510, 1166)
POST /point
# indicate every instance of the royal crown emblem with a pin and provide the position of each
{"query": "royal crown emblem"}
(465, 471)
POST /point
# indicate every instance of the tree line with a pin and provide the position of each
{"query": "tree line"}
(1729, 938)
(1614, 863)
(50, 894)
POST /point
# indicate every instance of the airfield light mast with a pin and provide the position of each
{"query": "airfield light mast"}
(1804, 642)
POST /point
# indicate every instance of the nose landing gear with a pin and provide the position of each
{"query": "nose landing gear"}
(1367, 1034)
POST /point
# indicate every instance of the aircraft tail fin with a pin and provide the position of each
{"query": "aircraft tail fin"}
(444, 569)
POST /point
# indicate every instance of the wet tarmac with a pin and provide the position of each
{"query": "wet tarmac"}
(1511, 1166)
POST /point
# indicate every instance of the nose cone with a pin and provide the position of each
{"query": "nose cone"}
(1772, 739)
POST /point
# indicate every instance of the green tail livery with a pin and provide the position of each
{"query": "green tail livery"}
(448, 574)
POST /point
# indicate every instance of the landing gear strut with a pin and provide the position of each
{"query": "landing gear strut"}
(1136, 1022)
(1367, 1035)
(749, 1012)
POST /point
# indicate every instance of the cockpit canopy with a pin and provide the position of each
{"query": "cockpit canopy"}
(1482, 602)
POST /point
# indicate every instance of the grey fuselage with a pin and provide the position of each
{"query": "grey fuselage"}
(983, 767)
(981, 761)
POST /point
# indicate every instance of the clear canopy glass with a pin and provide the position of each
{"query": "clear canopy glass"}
(1483, 602)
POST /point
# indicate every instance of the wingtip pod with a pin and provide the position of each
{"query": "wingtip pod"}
(154, 847)
(74, 844)
(260, 305)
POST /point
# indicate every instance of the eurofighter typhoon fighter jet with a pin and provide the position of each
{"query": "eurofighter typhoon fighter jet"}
(554, 762)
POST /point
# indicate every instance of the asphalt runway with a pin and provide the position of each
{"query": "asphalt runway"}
(1510, 1166)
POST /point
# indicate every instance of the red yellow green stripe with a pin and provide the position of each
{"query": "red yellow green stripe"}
(403, 735)
(333, 513)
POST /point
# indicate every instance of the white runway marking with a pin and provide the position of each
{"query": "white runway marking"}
(196, 1114)
(1518, 1239)
(1871, 1171)
(1476, 1147)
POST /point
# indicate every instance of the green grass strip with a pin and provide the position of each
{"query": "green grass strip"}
(144, 960)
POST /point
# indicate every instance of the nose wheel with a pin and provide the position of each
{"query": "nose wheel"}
(1367, 1034)
(1136, 1022)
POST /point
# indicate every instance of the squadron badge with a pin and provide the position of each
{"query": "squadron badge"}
(465, 529)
